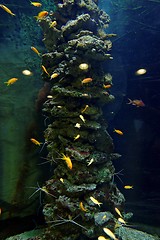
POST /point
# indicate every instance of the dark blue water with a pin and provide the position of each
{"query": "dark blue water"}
(137, 46)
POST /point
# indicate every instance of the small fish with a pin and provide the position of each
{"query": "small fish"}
(11, 81)
(83, 66)
(49, 96)
(102, 238)
(78, 125)
(45, 70)
(107, 86)
(95, 201)
(118, 212)
(136, 102)
(82, 118)
(41, 15)
(35, 50)
(36, 4)
(67, 160)
(62, 180)
(82, 207)
(85, 109)
(53, 24)
(104, 217)
(106, 93)
(87, 80)
(0, 211)
(128, 187)
(76, 137)
(90, 162)
(121, 220)
(33, 140)
(118, 131)
(54, 75)
(7, 10)
(110, 233)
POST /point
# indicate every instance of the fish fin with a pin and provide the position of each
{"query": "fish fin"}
(130, 101)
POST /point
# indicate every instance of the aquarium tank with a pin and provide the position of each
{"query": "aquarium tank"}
(79, 120)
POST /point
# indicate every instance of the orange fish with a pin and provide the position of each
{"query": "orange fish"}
(33, 140)
(87, 80)
(45, 70)
(118, 131)
(36, 4)
(82, 207)
(35, 50)
(7, 10)
(107, 86)
(41, 15)
(136, 102)
(11, 81)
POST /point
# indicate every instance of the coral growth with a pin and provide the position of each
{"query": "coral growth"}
(77, 130)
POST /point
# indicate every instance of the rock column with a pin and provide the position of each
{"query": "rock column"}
(81, 195)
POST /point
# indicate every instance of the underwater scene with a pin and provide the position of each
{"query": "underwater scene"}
(80, 120)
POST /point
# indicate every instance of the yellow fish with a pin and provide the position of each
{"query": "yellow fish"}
(67, 160)
(41, 15)
(78, 125)
(85, 109)
(118, 212)
(128, 187)
(35, 50)
(62, 180)
(121, 220)
(118, 131)
(53, 24)
(110, 233)
(82, 118)
(33, 140)
(95, 201)
(45, 70)
(102, 238)
(90, 162)
(36, 4)
(7, 10)
(54, 75)
(87, 80)
(76, 137)
(11, 81)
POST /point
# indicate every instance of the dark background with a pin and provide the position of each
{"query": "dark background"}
(137, 45)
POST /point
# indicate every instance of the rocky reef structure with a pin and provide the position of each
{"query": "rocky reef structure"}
(81, 195)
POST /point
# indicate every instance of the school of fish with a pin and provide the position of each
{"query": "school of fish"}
(85, 81)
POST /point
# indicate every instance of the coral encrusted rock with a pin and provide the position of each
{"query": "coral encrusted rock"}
(81, 196)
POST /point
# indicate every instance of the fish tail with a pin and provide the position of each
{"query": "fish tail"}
(6, 83)
(130, 101)
(36, 17)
